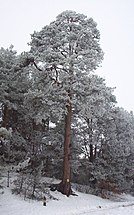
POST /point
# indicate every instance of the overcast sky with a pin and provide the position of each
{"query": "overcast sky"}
(115, 19)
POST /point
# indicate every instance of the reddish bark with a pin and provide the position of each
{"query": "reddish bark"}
(65, 185)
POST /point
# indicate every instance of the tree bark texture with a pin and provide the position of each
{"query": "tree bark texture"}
(65, 185)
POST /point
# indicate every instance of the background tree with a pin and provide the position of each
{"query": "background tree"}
(111, 164)
(93, 109)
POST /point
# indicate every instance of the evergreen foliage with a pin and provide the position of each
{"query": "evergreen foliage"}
(55, 84)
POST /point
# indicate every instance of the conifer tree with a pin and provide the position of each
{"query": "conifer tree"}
(68, 51)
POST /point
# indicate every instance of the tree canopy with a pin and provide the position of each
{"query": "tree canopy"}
(63, 116)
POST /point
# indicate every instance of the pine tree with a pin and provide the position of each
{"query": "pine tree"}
(113, 163)
(68, 50)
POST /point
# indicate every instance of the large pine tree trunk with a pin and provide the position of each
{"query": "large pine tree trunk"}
(65, 185)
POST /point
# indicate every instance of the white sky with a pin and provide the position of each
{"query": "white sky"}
(115, 18)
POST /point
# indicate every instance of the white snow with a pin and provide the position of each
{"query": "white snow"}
(83, 204)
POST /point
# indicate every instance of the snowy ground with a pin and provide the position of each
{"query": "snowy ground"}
(83, 204)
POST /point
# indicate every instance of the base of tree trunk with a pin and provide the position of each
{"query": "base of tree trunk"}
(64, 188)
